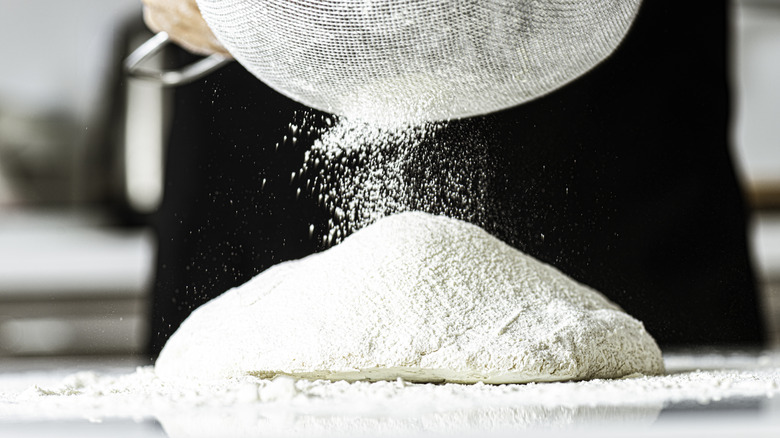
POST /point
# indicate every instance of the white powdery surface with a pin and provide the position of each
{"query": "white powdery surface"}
(249, 406)
(414, 296)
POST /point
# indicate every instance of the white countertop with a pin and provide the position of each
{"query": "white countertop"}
(701, 395)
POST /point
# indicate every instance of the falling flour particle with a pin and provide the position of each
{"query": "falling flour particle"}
(414, 296)
(361, 172)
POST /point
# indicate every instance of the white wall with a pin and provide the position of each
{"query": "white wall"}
(52, 52)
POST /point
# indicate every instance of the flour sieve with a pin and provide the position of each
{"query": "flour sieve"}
(417, 60)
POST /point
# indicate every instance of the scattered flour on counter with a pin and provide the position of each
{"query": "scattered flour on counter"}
(249, 406)
(415, 296)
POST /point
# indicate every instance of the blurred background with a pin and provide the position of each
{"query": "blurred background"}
(81, 159)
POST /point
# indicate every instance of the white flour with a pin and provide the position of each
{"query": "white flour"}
(416, 296)
(250, 406)
(362, 172)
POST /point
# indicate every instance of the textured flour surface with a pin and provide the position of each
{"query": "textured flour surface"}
(250, 406)
(421, 297)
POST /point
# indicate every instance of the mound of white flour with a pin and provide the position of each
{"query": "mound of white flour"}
(421, 297)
